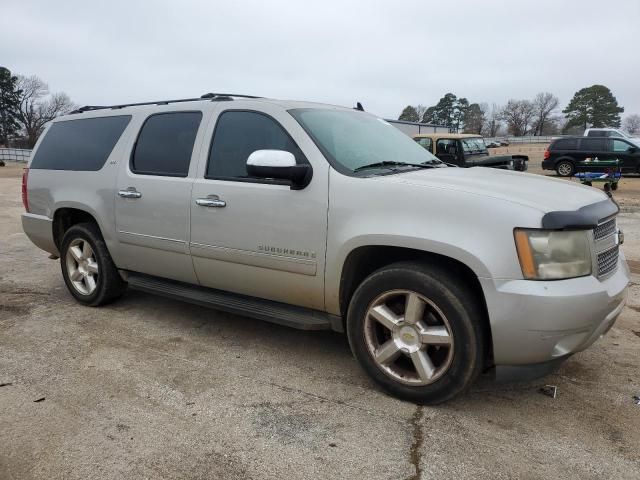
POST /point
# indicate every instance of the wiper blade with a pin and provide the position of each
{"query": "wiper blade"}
(387, 163)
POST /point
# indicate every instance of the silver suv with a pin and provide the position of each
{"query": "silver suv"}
(322, 217)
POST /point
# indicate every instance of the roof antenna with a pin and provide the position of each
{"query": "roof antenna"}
(359, 107)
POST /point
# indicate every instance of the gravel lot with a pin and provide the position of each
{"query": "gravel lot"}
(154, 388)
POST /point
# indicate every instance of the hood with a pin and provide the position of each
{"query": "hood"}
(536, 191)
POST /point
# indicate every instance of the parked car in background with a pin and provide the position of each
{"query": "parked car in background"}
(320, 217)
(605, 132)
(468, 150)
(569, 155)
(492, 143)
(504, 143)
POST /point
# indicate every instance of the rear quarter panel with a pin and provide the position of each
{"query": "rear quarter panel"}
(90, 191)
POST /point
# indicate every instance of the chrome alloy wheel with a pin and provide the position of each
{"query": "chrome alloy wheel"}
(82, 266)
(565, 169)
(408, 337)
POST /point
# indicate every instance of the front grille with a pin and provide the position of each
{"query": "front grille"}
(604, 229)
(607, 261)
(607, 248)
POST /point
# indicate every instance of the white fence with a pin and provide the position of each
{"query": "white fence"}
(15, 154)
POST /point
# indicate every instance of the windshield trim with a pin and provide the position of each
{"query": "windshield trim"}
(337, 166)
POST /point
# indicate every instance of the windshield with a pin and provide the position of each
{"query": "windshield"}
(473, 145)
(352, 139)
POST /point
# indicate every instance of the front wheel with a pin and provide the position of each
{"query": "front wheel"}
(417, 332)
(565, 168)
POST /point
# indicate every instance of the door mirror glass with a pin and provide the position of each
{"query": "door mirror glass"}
(278, 164)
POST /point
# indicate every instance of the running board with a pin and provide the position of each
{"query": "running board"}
(267, 310)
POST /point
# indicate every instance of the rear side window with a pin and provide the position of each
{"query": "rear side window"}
(597, 133)
(592, 144)
(425, 142)
(565, 144)
(80, 145)
(165, 144)
(240, 133)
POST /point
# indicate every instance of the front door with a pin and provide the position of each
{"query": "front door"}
(259, 237)
(627, 153)
(153, 194)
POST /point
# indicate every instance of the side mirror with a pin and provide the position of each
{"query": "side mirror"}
(280, 165)
(632, 149)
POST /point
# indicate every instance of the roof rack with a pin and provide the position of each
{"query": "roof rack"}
(213, 97)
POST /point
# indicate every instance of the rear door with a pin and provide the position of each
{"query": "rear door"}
(153, 193)
(591, 148)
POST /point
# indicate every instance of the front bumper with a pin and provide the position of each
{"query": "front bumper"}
(39, 229)
(534, 322)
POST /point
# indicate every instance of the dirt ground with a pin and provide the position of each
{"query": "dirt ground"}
(154, 388)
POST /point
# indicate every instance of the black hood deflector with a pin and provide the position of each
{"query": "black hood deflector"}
(584, 218)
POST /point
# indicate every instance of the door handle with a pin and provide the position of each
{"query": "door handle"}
(211, 201)
(130, 192)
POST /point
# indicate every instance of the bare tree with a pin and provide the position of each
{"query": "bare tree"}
(518, 115)
(493, 120)
(544, 104)
(38, 106)
(631, 124)
(420, 109)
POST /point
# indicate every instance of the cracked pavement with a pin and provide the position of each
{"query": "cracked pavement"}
(154, 388)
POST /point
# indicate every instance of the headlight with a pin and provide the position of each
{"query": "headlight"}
(553, 255)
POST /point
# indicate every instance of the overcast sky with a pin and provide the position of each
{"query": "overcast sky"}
(385, 54)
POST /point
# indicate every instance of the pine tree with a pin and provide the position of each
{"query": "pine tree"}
(9, 105)
(593, 106)
(409, 114)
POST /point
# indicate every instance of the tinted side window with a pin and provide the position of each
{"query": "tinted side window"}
(565, 144)
(597, 133)
(165, 144)
(237, 135)
(83, 144)
(592, 144)
(425, 142)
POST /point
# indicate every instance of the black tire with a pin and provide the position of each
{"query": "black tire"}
(108, 285)
(614, 186)
(565, 168)
(463, 313)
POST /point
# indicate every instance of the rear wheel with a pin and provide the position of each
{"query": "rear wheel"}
(87, 267)
(416, 332)
(565, 168)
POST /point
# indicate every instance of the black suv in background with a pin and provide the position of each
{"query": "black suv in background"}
(569, 154)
